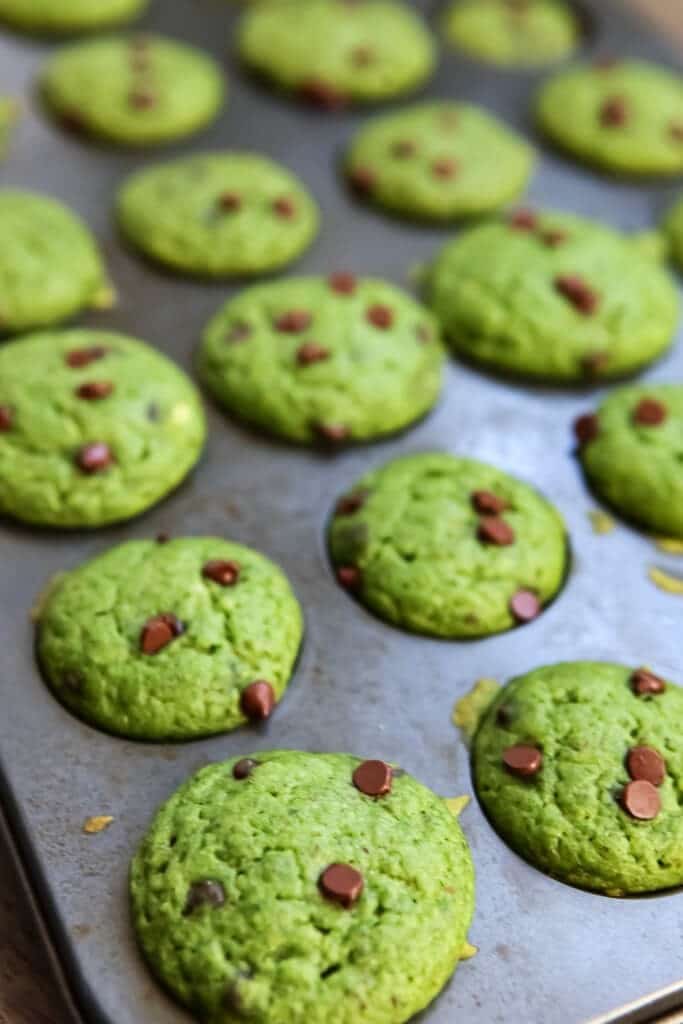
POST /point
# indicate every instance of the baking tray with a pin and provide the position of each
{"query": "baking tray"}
(547, 952)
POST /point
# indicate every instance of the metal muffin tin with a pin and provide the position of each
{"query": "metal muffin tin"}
(547, 952)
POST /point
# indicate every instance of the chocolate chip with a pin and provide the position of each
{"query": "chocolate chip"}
(650, 413)
(586, 428)
(6, 418)
(294, 321)
(153, 412)
(73, 122)
(445, 167)
(73, 680)
(614, 112)
(523, 760)
(641, 800)
(163, 538)
(595, 363)
(351, 503)
(676, 130)
(84, 356)
(380, 316)
(242, 769)
(554, 237)
(577, 292)
(204, 894)
(494, 530)
(310, 352)
(362, 56)
(341, 883)
(230, 202)
(159, 631)
(343, 283)
(285, 207)
(332, 433)
(503, 716)
(373, 778)
(486, 503)
(258, 700)
(525, 606)
(646, 763)
(362, 179)
(94, 458)
(524, 220)
(323, 95)
(142, 99)
(95, 389)
(645, 683)
(349, 577)
(403, 148)
(238, 332)
(225, 573)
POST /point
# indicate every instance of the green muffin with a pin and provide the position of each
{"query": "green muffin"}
(632, 455)
(513, 33)
(334, 359)
(626, 116)
(218, 214)
(303, 888)
(170, 640)
(553, 297)
(94, 428)
(134, 90)
(331, 53)
(673, 231)
(578, 765)
(448, 546)
(49, 263)
(66, 16)
(439, 161)
(8, 115)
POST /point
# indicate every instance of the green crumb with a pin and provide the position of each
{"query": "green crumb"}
(470, 709)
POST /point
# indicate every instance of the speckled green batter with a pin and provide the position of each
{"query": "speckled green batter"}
(494, 289)
(673, 231)
(370, 380)
(8, 115)
(64, 16)
(277, 951)
(513, 34)
(638, 468)
(217, 214)
(440, 161)
(424, 568)
(89, 638)
(567, 819)
(359, 52)
(152, 423)
(648, 140)
(50, 268)
(134, 90)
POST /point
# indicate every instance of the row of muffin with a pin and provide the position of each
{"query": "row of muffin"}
(627, 115)
(510, 33)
